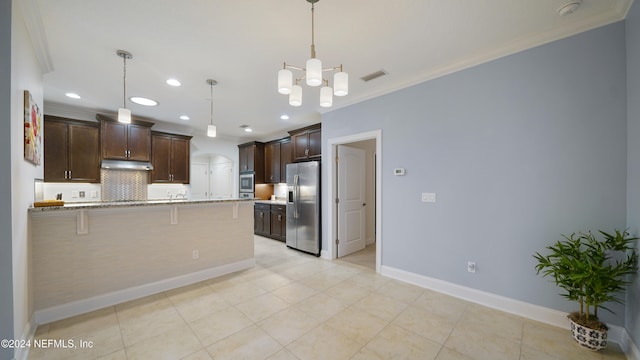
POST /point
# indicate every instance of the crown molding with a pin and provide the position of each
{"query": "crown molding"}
(616, 13)
(35, 28)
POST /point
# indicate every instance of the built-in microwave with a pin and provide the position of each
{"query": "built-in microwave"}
(247, 182)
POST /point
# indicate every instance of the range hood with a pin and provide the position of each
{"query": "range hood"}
(126, 165)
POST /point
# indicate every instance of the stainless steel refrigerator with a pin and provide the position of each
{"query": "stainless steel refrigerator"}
(303, 206)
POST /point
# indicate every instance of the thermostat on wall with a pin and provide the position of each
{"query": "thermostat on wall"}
(398, 172)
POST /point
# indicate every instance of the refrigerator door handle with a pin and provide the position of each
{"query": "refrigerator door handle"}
(296, 194)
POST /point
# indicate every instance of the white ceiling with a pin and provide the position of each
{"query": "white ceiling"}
(243, 43)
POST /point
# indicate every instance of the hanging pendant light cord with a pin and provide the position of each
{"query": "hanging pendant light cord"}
(124, 83)
(313, 42)
(211, 104)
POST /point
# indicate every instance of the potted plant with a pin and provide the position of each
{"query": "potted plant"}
(592, 272)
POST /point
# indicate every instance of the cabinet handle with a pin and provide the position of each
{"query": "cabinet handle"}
(70, 177)
(306, 152)
(261, 215)
(279, 217)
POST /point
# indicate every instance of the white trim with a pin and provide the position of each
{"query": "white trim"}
(332, 144)
(29, 334)
(618, 13)
(549, 316)
(35, 28)
(116, 297)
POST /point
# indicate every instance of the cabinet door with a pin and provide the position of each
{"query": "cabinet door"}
(161, 159)
(180, 160)
(139, 143)
(272, 163)
(314, 144)
(242, 158)
(278, 229)
(286, 157)
(55, 151)
(84, 153)
(300, 146)
(262, 219)
(114, 140)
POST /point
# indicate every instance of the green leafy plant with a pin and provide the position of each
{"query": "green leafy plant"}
(591, 271)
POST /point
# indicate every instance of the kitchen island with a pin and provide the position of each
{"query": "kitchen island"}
(86, 256)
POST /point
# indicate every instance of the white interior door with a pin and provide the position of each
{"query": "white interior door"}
(222, 180)
(351, 200)
(199, 181)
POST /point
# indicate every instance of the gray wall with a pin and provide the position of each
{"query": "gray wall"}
(518, 150)
(6, 264)
(633, 179)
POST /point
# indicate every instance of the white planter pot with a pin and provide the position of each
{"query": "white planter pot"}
(588, 338)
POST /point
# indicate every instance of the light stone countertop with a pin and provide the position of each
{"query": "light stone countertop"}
(116, 204)
(271, 202)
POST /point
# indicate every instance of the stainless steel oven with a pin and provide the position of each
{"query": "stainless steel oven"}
(247, 183)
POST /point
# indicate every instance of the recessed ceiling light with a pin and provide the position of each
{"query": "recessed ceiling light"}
(143, 101)
(284, 117)
(73, 95)
(173, 82)
(246, 128)
(569, 8)
(184, 117)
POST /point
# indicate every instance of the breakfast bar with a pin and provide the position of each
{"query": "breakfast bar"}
(87, 256)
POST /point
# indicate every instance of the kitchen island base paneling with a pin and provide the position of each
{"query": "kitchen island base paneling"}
(127, 252)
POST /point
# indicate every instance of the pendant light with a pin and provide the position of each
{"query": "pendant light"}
(211, 129)
(313, 75)
(124, 114)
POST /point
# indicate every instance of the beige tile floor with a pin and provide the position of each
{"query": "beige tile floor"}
(296, 306)
(365, 257)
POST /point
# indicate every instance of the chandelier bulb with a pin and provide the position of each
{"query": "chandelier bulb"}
(326, 96)
(295, 98)
(285, 81)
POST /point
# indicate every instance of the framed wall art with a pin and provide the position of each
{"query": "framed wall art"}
(32, 129)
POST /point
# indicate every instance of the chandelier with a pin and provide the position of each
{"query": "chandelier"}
(313, 75)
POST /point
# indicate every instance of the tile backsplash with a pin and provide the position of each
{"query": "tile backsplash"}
(117, 185)
(123, 185)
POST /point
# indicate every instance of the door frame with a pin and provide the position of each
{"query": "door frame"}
(332, 186)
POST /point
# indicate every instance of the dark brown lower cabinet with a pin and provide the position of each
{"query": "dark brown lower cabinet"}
(270, 221)
(279, 222)
(262, 220)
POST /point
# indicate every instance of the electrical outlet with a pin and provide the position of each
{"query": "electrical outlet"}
(471, 267)
(81, 193)
(75, 193)
(196, 254)
(429, 197)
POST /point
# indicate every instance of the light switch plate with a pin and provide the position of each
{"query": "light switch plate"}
(429, 197)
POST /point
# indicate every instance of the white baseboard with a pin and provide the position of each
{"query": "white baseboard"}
(98, 302)
(28, 334)
(553, 317)
(325, 254)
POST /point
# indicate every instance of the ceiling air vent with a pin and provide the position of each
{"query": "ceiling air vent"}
(374, 75)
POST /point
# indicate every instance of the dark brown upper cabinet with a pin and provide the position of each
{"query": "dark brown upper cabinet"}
(71, 150)
(125, 141)
(251, 158)
(170, 158)
(272, 163)
(307, 143)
